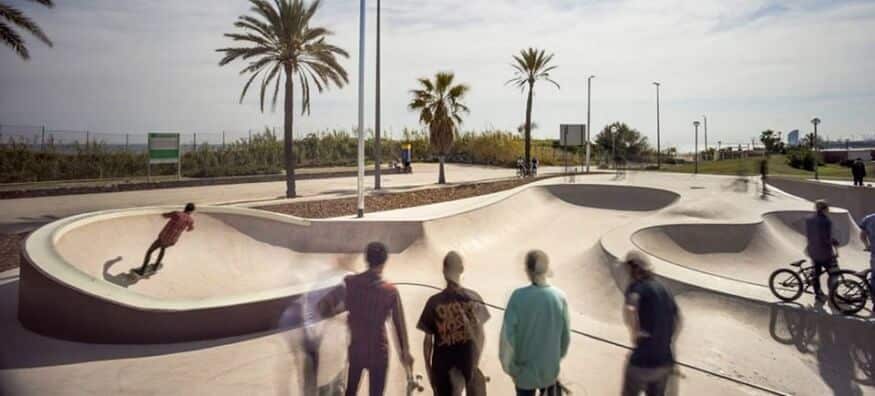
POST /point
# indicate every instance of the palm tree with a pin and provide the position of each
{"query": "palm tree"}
(440, 108)
(17, 18)
(280, 42)
(530, 66)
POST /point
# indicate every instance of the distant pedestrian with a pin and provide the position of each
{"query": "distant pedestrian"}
(764, 173)
(535, 333)
(179, 222)
(370, 301)
(821, 243)
(453, 324)
(653, 318)
(858, 170)
(534, 167)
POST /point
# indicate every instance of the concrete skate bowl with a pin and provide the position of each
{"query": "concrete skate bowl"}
(612, 197)
(747, 252)
(237, 273)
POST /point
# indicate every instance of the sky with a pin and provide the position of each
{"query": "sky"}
(137, 66)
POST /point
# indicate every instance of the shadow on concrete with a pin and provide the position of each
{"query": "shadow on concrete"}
(123, 279)
(841, 346)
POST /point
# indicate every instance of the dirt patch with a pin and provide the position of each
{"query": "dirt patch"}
(10, 248)
(400, 200)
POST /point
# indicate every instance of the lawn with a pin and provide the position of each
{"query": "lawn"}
(777, 166)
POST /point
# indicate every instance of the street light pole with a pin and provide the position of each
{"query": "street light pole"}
(816, 121)
(658, 150)
(361, 113)
(705, 118)
(696, 148)
(588, 122)
(614, 146)
(377, 148)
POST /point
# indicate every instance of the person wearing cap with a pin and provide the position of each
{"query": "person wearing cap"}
(177, 223)
(821, 243)
(535, 333)
(652, 317)
(453, 324)
(370, 301)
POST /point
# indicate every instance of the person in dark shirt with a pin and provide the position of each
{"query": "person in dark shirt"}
(653, 318)
(819, 233)
(370, 301)
(453, 324)
(858, 170)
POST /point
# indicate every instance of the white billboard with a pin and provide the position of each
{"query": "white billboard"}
(572, 134)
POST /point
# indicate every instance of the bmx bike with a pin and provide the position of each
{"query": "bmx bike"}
(789, 284)
(857, 288)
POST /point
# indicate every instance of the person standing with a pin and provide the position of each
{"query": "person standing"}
(652, 316)
(867, 235)
(858, 170)
(370, 302)
(178, 223)
(818, 232)
(764, 174)
(535, 333)
(453, 324)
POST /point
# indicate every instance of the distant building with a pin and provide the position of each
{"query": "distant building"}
(793, 138)
(838, 155)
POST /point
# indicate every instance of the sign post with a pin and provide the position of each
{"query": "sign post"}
(164, 148)
(571, 135)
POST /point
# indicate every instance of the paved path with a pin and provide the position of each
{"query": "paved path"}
(18, 215)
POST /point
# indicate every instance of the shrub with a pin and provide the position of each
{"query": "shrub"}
(801, 158)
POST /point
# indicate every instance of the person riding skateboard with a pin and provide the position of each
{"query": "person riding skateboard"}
(453, 324)
(179, 222)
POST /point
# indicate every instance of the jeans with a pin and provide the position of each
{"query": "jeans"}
(376, 377)
(552, 390)
(651, 381)
(821, 267)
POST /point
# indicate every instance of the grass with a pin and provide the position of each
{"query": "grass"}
(777, 167)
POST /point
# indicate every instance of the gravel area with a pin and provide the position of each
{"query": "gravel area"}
(10, 246)
(389, 201)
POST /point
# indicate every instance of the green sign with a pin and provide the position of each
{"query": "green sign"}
(164, 148)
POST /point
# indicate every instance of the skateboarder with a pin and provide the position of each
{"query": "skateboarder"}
(652, 317)
(535, 333)
(179, 222)
(818, 231)
(453, 324)
(370, 301)
(858, 170)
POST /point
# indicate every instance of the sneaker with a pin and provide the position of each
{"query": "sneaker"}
(820, 298)
(155, 267)
(139, 271)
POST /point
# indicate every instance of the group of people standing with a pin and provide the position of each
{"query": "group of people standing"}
(535, 333)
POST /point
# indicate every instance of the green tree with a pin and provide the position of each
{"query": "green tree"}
(629, 142)
(12, 16)
(530, 66)
(771, 141)
(279, 41)
(440, 107)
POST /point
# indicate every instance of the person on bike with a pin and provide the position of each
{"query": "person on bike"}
(821, 244)
(535, 334)
(652, 316)
(453, 324)
(867, 234)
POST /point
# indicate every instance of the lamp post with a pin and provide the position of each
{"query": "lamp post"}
(614, 146)
(705, 119)
(588, 122)
(815, 121)
(377, 148)
(360, 212)
(658, 151)
(696, 148)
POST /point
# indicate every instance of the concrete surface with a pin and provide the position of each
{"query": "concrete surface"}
(735, 339)
(860, 201)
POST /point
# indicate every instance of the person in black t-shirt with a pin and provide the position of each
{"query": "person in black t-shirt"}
(652, 317)
(453, 322)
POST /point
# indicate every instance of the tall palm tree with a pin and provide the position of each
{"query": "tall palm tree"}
(17, 18)
(280, 42)
(530, 66)
(440, 107)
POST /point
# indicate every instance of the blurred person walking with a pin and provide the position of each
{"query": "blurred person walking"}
(535, 333)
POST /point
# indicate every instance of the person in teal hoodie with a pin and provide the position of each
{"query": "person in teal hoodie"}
(535, 333)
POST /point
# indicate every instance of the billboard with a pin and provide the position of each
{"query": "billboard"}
(572, 134)
(793, 138)
(164, 148)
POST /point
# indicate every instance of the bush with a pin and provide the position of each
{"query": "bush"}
(802, 158)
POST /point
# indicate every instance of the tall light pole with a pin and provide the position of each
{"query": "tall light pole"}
(696, 149)
(377, 148)
(705, 118)
(815, 121)
(658, 151)
(614, 146)
(588, 122)
(361, 149)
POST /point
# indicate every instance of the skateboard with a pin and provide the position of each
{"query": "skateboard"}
(151, 269)
(414, 383)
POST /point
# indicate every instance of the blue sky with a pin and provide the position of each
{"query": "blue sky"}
(137, 66)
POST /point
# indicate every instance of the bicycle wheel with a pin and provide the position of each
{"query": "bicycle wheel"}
(785, 284)
(850, 294)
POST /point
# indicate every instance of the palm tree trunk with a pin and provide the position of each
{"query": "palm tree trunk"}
(289, 115)
(441, 176)
(528, 136)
